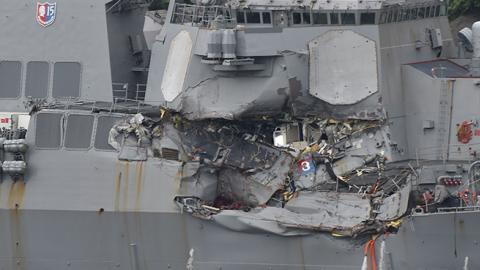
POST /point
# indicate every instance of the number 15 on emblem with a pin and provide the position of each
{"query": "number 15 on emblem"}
(46, 13)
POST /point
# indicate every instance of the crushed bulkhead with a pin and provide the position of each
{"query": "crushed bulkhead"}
(323, 175)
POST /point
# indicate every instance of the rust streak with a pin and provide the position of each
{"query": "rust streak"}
(118, 183)
(138, 184)
(15, 202)
(16, 194)
(125, 190)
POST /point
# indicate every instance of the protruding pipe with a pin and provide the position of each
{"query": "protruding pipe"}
(365, 263)
(381, 261)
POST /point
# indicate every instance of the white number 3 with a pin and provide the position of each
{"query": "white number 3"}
(305, 166)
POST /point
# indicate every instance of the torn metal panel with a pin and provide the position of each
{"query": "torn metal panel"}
(332, 209)
(257, 188)
(258, 220)
(395, 206)
(133, 153)
(309, 212)
(200, 182)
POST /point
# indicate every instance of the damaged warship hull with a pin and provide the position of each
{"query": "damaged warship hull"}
(238, 135)
(162, 241)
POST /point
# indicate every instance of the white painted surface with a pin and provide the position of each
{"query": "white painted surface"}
(177, 65)
(6, 120)
(343, 67)
(476, 39)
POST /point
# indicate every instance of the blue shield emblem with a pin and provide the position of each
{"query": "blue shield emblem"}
(46, 13)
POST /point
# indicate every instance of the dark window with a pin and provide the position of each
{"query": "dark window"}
(383, 17)
(48, 130)
(413, 14)
(421, 13)
(395, 16)
(427, 12)
(267, 19)
(367, 18)
(36, 85)
(66, 80)
(104, 124)
(390, 16)
(320, 18)
(406, 14)
(253, 17)
(443, 10)
(306, 18)
(10, 79)
(79, 131)
(400, 15)
(437, 11)
(348, 18)
(297, 18)
(334, 18)
(240, 17)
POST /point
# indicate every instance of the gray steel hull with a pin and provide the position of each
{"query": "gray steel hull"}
(43, 239)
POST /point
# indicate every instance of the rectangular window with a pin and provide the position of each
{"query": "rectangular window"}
(427, 12)
(36, 85)
(306, 18)
(320, 18)
(383, 17)
(406, 15)
(240, 17)
(413, 14)
(367, 18)
(437, 11)
(296, 18)
(104, 124)
(348, 18)
(10, 79)
(443, 10)
(66, 80)
(48, 130)
(395, 15)
(253, 17)
(400, 15)
(334, 18)
(421, 13)
(79, 131)
(266, 18)
(390, 16)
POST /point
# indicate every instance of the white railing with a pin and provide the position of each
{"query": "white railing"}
(120, 90)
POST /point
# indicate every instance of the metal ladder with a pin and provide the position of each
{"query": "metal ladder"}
(444, 115)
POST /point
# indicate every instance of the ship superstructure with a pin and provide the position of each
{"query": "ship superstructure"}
(268, 135)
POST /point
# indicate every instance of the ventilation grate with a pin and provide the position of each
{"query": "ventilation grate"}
(170, 154)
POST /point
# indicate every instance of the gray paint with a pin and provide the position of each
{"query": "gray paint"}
(66, 80)
(122, 26)
(48, 131)
(36, 82)
(79, 34)
(10, 76)
(79, 131)
(83, 208)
